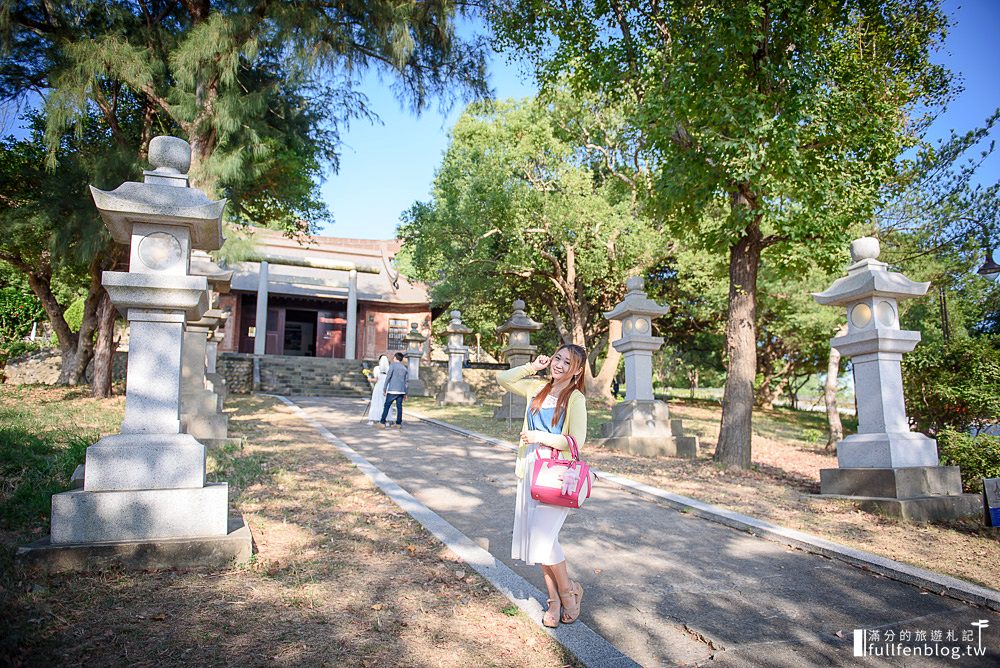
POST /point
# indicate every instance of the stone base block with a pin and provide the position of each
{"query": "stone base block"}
(201, 402)
(145, 461)
(456, 393)
(651, 446)
(416, 388)
(645, 428)
(638, 418)
(920, 509)
(512, 406)
(216, 552)
(139, 515)
(206, 425)
(900, 483)
(886, 451)
(217, 384)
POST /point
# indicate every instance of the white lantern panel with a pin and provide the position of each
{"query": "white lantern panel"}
(885, 314)
(160, 251)
(861, 315)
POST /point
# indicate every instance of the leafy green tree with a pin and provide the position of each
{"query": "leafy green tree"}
(258, 88)
(521, 210)
(953, 385)
(787, 116)
(52, 233)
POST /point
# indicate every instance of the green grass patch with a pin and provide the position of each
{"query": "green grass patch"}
(232, 465)
(33, 467)
(44, 435)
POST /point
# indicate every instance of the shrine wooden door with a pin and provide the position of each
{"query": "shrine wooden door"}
(331, 333)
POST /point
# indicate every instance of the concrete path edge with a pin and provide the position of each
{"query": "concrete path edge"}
(943, 585)
(584, 643)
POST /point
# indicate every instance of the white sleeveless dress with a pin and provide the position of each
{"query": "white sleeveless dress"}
(536, 525)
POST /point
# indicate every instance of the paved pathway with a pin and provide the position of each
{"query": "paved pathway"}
(665, 587)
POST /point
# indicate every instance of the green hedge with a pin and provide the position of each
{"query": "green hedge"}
(955, 385)
(978, 456)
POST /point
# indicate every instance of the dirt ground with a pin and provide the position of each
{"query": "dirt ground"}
(340, 577)
(781, 488)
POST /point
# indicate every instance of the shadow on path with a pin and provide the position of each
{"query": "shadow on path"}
(666, 587)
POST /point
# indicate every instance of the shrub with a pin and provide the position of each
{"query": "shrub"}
(18, 311)
(74, 314)
(954, 385)
(978, 456)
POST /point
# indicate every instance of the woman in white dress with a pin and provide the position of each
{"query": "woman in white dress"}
(378, 392)
(556, 408)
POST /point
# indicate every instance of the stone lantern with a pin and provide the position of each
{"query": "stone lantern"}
(201, 404)
(456, 390)
(414, 351)
(518, 352)
(145, 488)
(641, 424)
(887, 466)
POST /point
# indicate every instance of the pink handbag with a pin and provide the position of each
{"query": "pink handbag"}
(562, 482)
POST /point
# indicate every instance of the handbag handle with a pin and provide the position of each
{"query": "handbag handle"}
(574, 450)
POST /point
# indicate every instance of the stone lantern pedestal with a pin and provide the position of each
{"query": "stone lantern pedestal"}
(886, 466)
(414, 351)
(456, 390)
(145, 502)
(200, 406)
(214, 380)
(219, 282)
(518, 352)
(641, 424)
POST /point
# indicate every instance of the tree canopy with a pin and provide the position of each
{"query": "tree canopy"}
(786, 116)
(260, 89)
(521, 209)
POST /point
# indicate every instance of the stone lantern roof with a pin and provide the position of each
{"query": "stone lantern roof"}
(219, 279)
(519, 320)
(414, 335)
(868, 277)
(456, 326)
(635, 302)
(164, 198)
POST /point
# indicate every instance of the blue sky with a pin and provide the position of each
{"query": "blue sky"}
(385, 168)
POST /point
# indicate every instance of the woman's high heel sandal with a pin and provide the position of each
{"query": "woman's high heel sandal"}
(571, 611)
(551, 617)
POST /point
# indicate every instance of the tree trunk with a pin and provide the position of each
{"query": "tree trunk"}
(104, 349)
(693, 381)
(40, 283)
(599, 386)
(830, 396)
(74, 362)
(741, 351)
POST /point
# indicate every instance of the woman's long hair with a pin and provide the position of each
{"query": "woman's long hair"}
(577, 368)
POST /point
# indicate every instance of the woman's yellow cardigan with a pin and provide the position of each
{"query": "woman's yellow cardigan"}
(518, 381)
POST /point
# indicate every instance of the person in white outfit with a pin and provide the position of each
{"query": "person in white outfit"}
(557, 408)
(378, 392)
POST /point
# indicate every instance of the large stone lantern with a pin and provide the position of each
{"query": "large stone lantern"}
(518, 352)
(641, 424)
(886, 465)
(456, 390)
(414, 341)
(145, 488)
